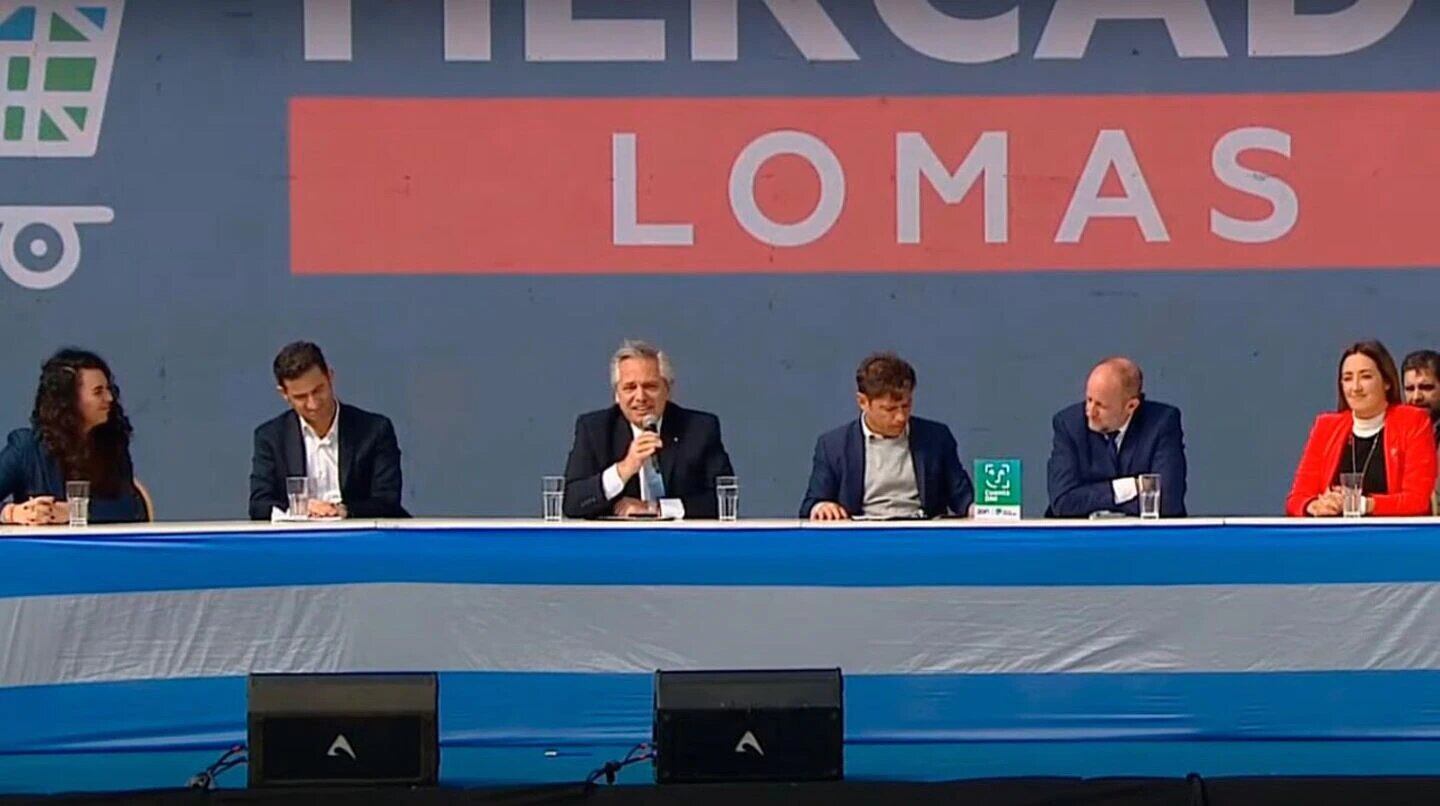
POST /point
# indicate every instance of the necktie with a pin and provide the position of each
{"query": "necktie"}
(1112, 441)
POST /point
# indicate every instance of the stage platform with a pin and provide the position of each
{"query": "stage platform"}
(1226, 648)
(1001, 792)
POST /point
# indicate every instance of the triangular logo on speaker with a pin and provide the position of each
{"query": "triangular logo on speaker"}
(747, 743)
(342, 745)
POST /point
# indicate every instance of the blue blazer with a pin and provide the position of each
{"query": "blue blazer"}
(1082, 467)
(28, 470)
(838, 473)
(370, 477)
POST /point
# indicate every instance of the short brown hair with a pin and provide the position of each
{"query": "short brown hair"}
(884, 375)
(296, 359)
(1376, 352)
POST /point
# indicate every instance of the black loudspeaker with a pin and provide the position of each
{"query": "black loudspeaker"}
(749, 726)
(343, 729)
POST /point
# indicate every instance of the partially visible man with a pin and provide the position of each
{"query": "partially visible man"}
(1104, 443)
(645, 456)
(887, 463)
(350, 455)
(1421, 381)
(1420, 378)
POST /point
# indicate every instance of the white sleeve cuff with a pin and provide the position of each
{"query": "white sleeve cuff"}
(672, 508)
(610, 482)
(1125, 489)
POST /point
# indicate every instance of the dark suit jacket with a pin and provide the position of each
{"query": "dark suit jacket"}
(369, 464)
(27, 469)
(1081, 466)
(692, 457)
(838, 473)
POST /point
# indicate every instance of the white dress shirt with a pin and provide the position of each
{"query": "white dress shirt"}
(322, 460)
(612, 485)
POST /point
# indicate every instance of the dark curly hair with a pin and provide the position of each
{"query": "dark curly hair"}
(102, 458)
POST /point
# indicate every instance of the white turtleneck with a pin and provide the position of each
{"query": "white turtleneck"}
(1366, 427)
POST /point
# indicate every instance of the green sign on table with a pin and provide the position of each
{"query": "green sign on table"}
(997, 489)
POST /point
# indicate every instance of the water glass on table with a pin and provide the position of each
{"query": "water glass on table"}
(1149, 488)
(727, 497)
(297, 488)
(552, 494)
(1352, 494)
(77, 499)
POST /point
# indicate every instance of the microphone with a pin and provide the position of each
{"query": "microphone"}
(651, 424)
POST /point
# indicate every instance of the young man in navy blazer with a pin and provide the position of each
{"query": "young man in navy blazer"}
(645, 456)
(350, 455)
(887, 463)
(1104, 443)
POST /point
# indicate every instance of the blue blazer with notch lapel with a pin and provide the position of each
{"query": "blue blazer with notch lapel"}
(370, 478)
(1082, 466)
(692, 456)
(838, 471)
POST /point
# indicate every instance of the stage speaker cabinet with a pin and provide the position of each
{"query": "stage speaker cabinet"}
(717, 726)
(343, 730)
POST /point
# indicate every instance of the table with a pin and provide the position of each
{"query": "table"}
(1223, 646)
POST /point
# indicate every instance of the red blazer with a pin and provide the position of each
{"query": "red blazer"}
(1409, 461)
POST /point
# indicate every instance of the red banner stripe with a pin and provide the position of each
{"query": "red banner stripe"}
(525, 185)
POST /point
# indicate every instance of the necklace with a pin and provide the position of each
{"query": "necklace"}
(1374, 441)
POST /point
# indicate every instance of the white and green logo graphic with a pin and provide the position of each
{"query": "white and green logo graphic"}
(56, 57)
(55, 60)
(997, 489)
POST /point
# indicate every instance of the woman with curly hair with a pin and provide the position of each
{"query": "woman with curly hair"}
(78, 433)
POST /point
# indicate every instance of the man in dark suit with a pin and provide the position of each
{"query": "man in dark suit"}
(644, 456)
(1103, 444)
(350, 455)
(887, 463)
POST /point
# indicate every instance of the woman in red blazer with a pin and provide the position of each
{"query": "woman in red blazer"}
(1392, 445)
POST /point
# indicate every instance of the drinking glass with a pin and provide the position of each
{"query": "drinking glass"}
(1352, 494)
(1149, 486)
(727, 497)
(77, 496)
(552, 492)
(298, 489)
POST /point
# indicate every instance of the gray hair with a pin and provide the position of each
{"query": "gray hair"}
(634, 348)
